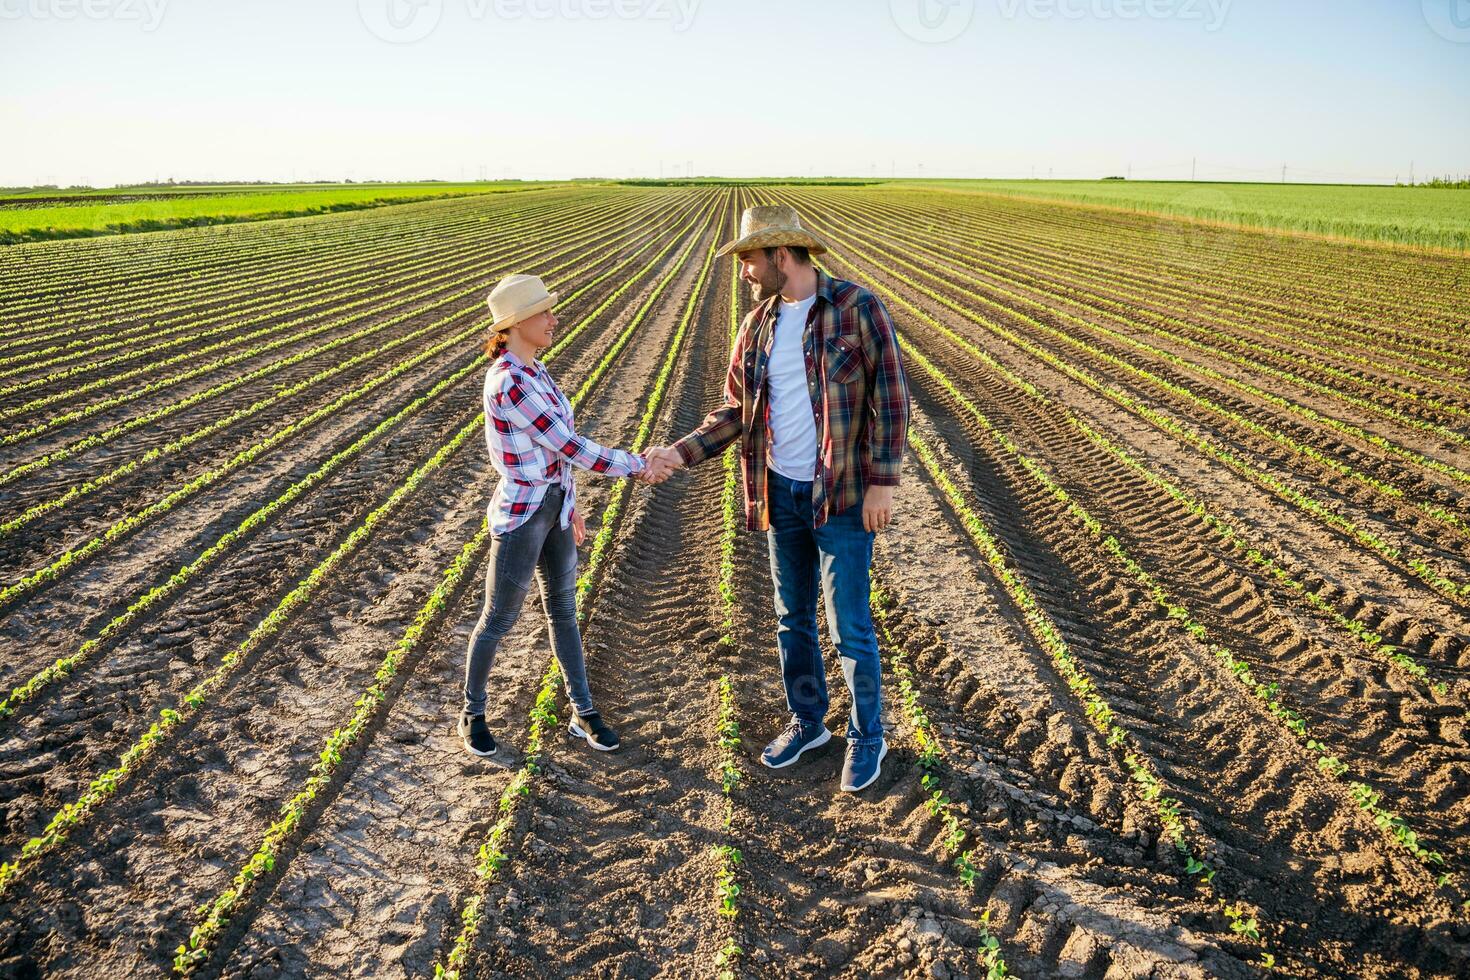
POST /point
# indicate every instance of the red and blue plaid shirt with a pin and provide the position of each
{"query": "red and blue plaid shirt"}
(534, 444)
(860, 400)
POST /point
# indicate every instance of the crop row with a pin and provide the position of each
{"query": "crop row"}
(75, 492)
(1253, 264)
(193, 303)
(1105, 298)
(929, 758)
(1111, 256)
(727, 726)
(204, 936)
(187, 293)
(1143, 776)
(242, 258)
(375, 303)
(1433, 512)
(1256, 551)
(1236, 667)
(1412, 564)
(278, 301)
(65, 665)
(369, 706)
(70, 816)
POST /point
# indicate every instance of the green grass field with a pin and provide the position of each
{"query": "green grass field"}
(1413, 216)
(1421, 216)
(154, 208)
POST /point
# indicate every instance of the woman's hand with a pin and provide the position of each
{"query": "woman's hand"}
(662, 462)
(579, 528)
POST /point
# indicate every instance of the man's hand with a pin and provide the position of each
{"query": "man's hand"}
(579, 528)
(877, 508)
(662, 462)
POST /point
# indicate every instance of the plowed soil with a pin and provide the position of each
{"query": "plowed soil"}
(1322, 538)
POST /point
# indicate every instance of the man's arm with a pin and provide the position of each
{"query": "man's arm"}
(888, 418)
(888, 400)
(722, 426)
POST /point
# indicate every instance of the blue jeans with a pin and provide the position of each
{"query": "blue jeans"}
(543, 548)
(838, 556)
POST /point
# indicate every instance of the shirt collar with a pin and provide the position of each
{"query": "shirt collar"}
(510, 358)
(825, 290)
(824, 287)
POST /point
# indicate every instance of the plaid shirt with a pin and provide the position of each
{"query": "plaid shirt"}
(533, 445)
(860, 400)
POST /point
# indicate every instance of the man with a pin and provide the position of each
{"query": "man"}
(816, 388)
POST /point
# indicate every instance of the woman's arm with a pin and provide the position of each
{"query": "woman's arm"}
(527, 410)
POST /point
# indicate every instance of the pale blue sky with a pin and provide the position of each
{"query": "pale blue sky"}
(110, 91)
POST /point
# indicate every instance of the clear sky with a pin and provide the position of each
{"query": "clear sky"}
(114, 91)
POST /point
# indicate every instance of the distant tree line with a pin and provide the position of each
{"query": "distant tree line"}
(1458, 183)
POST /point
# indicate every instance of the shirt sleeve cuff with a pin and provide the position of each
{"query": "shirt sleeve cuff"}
(687, 451)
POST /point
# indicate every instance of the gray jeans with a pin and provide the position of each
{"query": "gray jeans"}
(542, 547)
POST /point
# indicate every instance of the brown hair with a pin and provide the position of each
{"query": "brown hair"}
(799, 253)
(494, 344)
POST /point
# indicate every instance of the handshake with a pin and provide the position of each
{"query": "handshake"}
(662, 462)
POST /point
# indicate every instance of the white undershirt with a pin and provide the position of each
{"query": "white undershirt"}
(793, 426)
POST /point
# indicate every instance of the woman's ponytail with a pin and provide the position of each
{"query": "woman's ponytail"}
(494, 344)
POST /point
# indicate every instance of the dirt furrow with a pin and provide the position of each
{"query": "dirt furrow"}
(1333, 556)
(337, 885)
(1340, 895)
(1402, 737)
(206, 802)
(165, 656)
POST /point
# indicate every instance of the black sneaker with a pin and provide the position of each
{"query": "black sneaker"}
(594, 730)
(476, 735)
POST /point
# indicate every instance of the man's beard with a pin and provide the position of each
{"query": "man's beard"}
(768, 285)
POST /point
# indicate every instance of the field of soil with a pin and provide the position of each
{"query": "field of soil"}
(1174, 612)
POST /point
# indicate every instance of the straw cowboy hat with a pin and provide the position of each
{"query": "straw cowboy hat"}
(516, 298)
(768, 225)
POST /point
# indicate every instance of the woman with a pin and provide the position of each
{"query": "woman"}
(534, 523)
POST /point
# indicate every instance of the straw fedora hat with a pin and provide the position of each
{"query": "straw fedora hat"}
(768, 225)
(516, 298)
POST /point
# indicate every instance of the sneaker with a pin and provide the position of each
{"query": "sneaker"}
(799, 736)
(862, 765)
(596, 731)
(476, 735)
